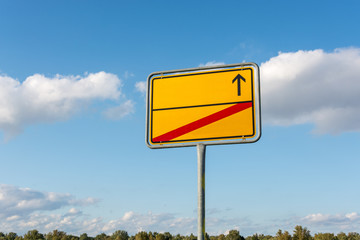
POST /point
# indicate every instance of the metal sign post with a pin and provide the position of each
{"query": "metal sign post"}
(201, 149)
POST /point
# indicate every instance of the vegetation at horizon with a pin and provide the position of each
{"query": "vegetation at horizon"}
(299, 233)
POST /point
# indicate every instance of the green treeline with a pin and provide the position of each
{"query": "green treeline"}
(299, 233)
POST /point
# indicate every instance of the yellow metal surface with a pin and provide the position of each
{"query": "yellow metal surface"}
(182, 99)
(200, 89)
(234, 125)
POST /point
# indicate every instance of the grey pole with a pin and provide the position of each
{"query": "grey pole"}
(201, 148)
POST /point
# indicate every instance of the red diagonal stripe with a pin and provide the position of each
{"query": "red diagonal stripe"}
(202, 122)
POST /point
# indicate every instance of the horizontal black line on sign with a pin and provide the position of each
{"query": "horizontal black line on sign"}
(209, 138)
(205, 105)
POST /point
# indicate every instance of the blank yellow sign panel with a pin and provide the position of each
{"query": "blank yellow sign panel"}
(206, 105)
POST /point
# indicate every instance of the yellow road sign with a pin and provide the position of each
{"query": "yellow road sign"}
(217, 105)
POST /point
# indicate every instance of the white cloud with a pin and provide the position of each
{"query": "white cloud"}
(135, 222)
(211, 63)
(128, 74)
(41, 99)
(326, 219)
(352, 216)
(127, 216)
(118, 112)
(319, 222)
(141, 87)
(44, 223)
(74, 211)
(167, 222)
(12, 218)
(313, 87)
(16, 202)
(23, 209)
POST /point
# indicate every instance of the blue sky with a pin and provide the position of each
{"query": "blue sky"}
(72, 116)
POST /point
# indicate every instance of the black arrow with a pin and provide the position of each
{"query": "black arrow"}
(238, 78)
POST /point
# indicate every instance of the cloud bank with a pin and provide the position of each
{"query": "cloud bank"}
(345, 222)
(316, 87)
(23, 209)
(40, 99)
